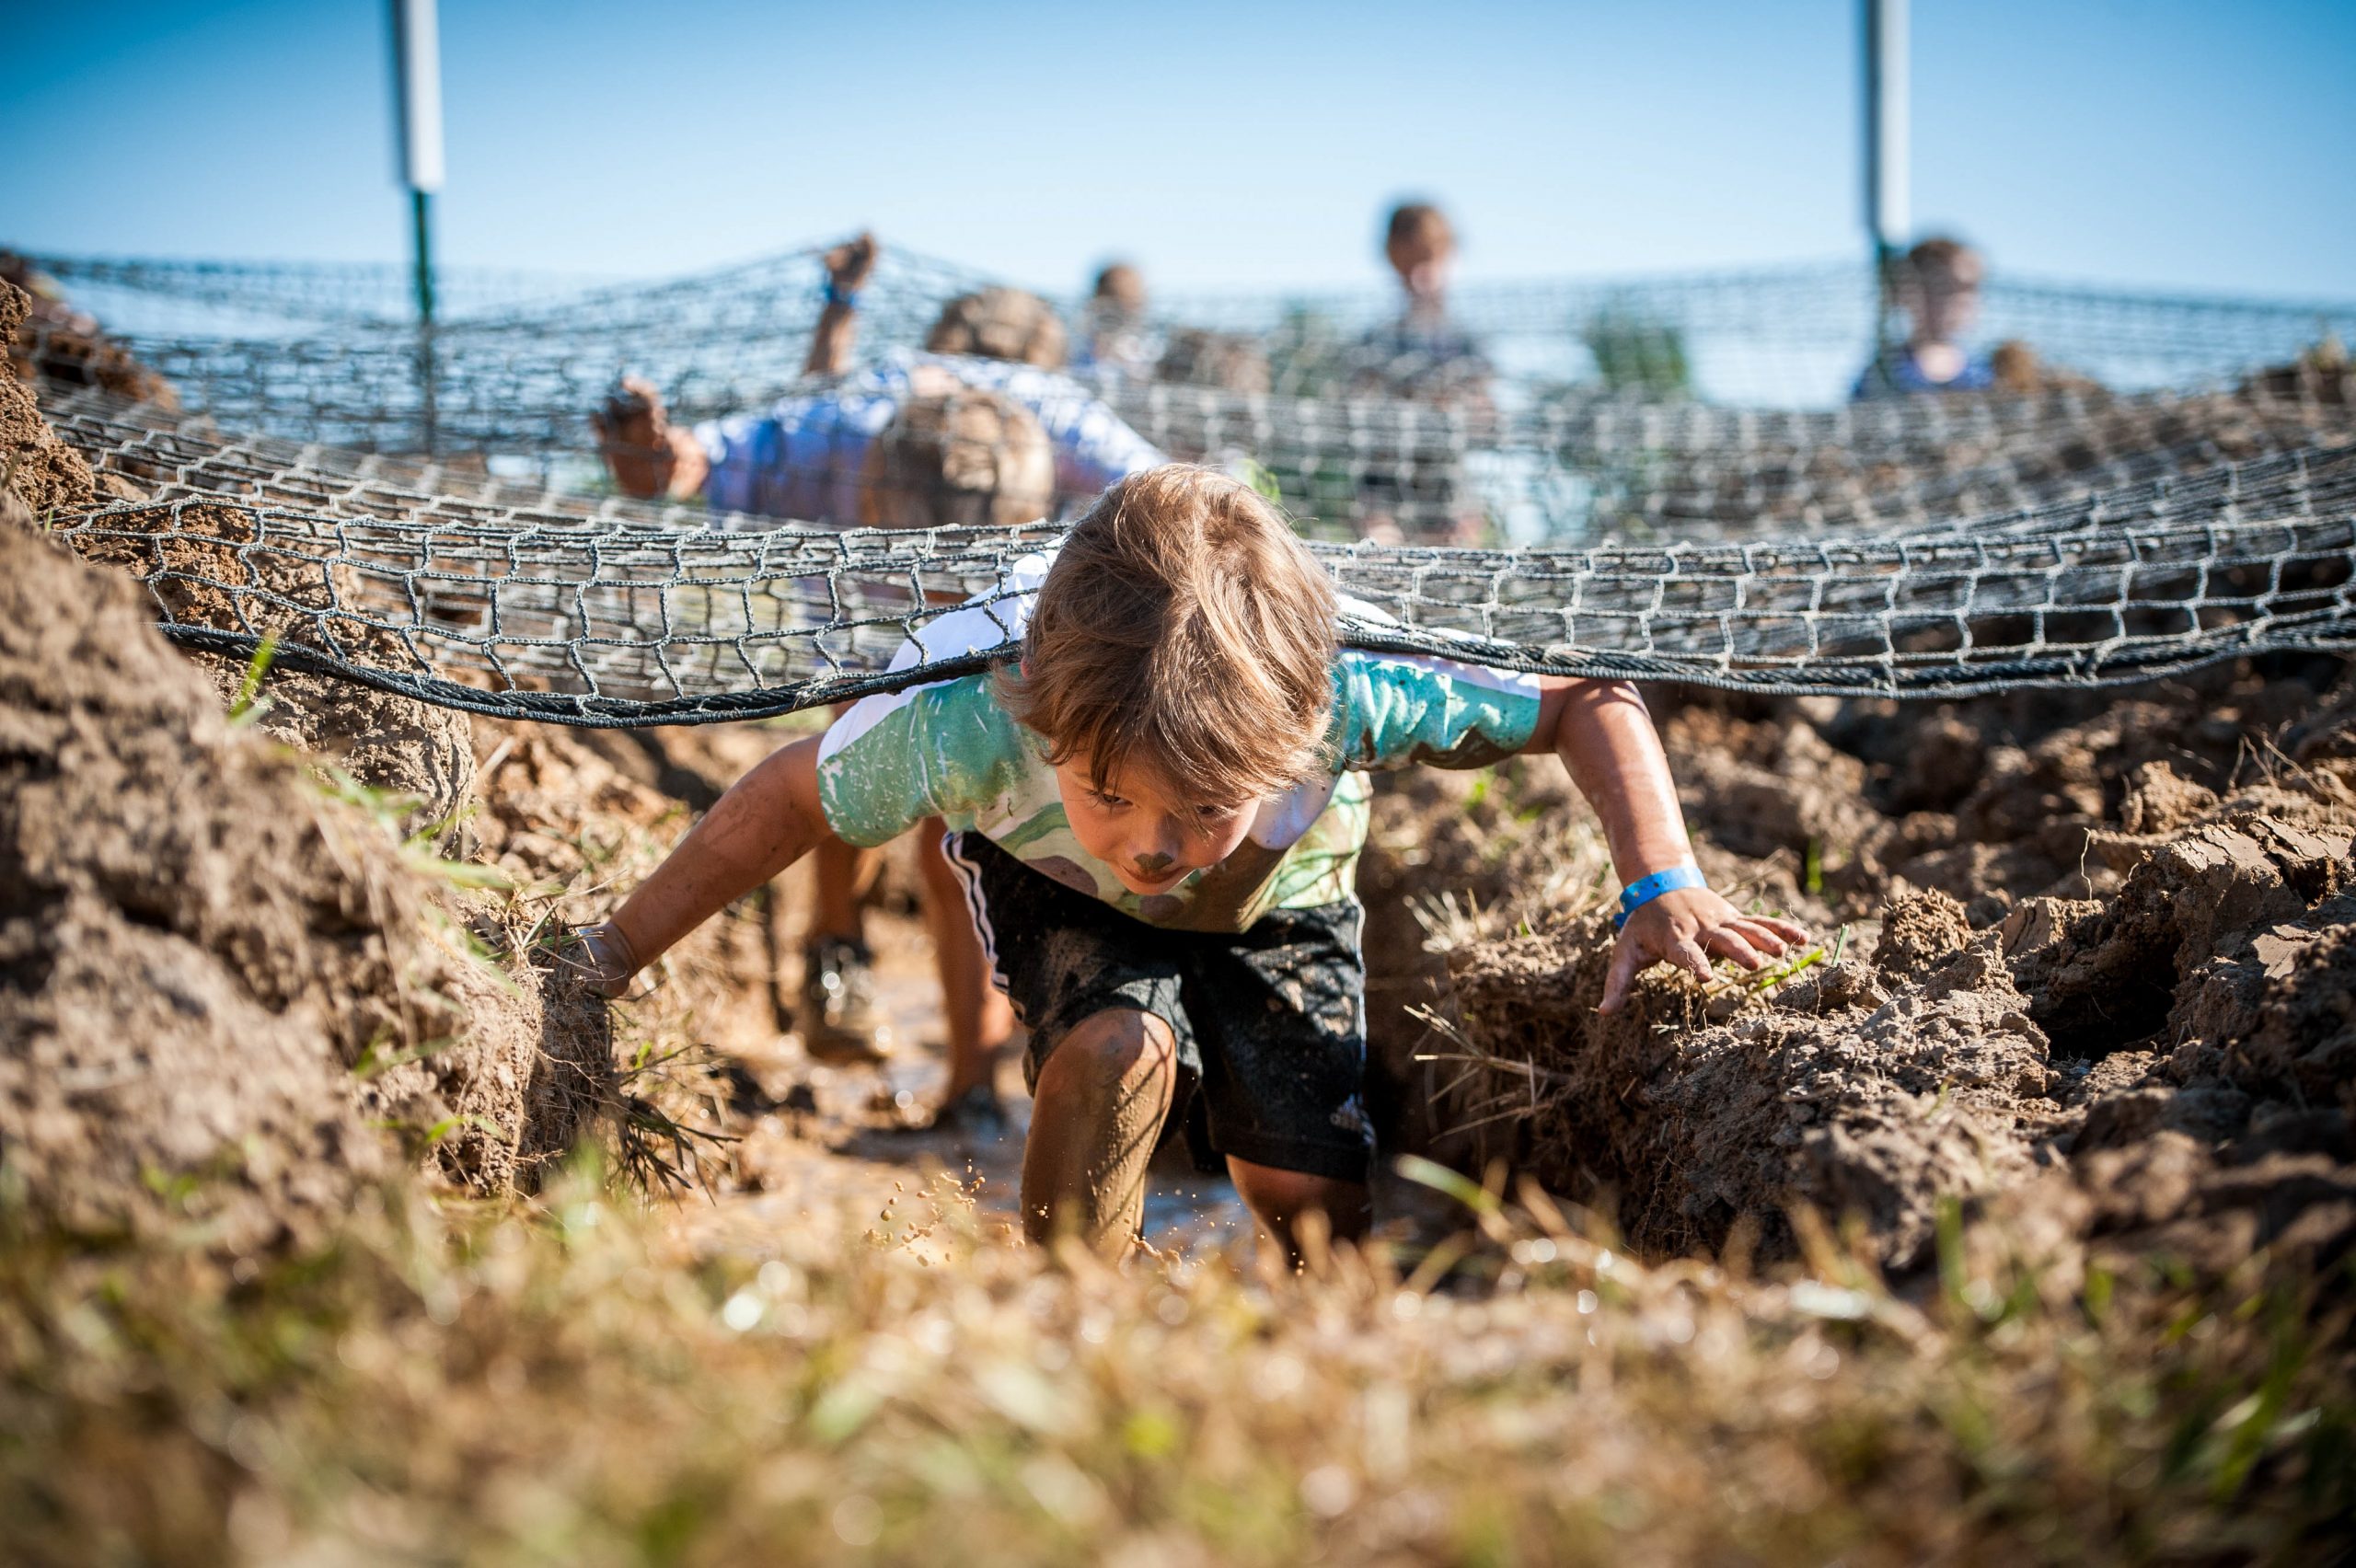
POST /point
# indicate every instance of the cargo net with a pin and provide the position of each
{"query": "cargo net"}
(1391, 471)
(514, 365)
(503, 597)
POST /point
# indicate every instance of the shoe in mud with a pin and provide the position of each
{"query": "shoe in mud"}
(975, 1113)
(839, 1002)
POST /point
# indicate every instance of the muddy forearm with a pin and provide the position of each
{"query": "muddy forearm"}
(767, 820)
(1607, 741)
(648, 457)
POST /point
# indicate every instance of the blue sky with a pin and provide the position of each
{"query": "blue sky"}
(1220, 145)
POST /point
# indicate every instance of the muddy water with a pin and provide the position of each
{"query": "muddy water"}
(843, 1156)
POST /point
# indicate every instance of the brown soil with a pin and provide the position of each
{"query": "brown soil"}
(53, 341)
(38, 474)
(218, 981)
(420, 755)
(2107, 995)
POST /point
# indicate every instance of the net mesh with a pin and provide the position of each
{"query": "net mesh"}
(1705, 407)
(483, 597)
(1789, 336)
(427, 514)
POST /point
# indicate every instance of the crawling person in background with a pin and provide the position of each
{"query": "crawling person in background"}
(1937, 285)
(1114, 337)
(1119, 341)
(947, 438)
(1156, 803)
(1422, 355)
(806, 458)
(1423, 498)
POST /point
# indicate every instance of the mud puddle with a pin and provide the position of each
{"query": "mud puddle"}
(833, 1150)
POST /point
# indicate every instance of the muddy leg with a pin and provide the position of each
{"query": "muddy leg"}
(1279, 1199)
(842, 872)
(978, 1018)
(838, 985)
(1099, 1104)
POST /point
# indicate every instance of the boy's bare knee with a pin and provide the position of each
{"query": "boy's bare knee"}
(1118, 1046)
(1102, 1094)
(1278, 1198)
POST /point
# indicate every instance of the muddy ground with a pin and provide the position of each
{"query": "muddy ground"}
(237, 982)
(2086, 956)
(2087, 971)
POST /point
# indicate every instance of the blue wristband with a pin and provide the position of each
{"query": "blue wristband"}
(1644, 890)
(846, 298)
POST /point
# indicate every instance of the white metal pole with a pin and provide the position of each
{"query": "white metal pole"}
(1888, 219)
(417, 110)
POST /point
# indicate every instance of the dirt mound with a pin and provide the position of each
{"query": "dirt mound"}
(215, 980)
(1990, 800)
(2169, 1063)
(38, 474)
(421, 755)
(53, 341)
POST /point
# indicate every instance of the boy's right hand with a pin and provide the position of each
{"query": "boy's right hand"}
(605, 959)
(850, 263)
(634, 437)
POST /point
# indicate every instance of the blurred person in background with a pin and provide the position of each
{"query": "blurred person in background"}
(1422, 353)
(1936, 284)
(1421, 356)
(1114, 338)
(976, 430)
(1118, 340)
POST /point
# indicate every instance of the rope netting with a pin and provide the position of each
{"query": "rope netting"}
(1593, 470)
(1789, 336)
(604, 615)
(1705, 407)
(1626, 524)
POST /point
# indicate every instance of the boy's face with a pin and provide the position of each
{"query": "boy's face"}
(1151, 842)
(1421, 257)
(1945, 298)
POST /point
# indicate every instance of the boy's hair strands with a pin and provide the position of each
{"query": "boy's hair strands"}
(1183, 632)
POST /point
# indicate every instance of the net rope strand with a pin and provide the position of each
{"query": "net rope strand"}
(1636, 411)
(1607, 474)
(615, 621)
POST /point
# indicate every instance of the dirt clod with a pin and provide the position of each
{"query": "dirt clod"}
(2112, 1004)
(217, 982)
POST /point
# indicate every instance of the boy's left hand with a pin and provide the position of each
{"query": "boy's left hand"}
(1684, 927)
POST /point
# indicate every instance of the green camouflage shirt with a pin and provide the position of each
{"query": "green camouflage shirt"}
(952, 750)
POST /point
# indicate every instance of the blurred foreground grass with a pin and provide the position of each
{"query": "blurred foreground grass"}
(562, 1382)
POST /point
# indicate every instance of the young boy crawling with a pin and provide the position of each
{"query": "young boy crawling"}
(1156, 814)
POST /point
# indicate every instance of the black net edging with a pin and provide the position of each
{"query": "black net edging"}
(618, 622)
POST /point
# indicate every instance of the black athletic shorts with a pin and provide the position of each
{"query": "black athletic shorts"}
(1270, 1022)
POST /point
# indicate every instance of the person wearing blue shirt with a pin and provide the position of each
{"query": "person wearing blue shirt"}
(1937, 285)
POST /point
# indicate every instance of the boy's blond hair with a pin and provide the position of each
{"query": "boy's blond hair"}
(1186, 632)
(967, 459)
(1000, 323)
